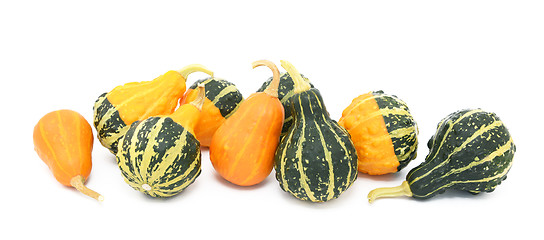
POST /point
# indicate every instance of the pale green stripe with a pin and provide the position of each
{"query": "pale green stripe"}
(488, 179)
(444, 138)
(463, 145)
(169, 157)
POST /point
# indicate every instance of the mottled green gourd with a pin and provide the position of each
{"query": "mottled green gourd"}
(471, 151)
(285, 92)
(316, 160)
(160, 156)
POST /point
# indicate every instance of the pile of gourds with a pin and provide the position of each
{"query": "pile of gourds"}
(156, 130)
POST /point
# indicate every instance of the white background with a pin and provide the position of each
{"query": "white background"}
(438, 56)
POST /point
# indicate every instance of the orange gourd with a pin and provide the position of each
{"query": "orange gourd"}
(242, 149)
(221, 101)
(63, 139)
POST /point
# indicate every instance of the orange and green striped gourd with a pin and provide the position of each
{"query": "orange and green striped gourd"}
(383, 132)
(222, 100)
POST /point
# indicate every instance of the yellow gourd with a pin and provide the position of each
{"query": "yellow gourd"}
(116, 110)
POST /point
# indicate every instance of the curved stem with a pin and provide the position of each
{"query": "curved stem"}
(272, 89)
(78, 182)
(402, 190)
(194, 68)
(300, 84)
(199, 100)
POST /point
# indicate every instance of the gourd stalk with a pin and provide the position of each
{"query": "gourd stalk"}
(402, 190)
(78, 182)
(272, 89)
(300, 84)
(199, 100)
(194, 68)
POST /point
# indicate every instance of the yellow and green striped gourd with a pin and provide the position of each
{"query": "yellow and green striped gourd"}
(316, 160)
(117, 109)
(471, 151)
(160, 156)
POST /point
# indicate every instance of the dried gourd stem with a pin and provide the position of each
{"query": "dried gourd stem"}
(78, 182)
(199, 100)
(300, 84)
(194, 68)
(402, 190)
(272, 89)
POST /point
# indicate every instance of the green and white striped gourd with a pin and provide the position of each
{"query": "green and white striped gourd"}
(471, 151)
(160, 156)
(316, 160)
(285, 92)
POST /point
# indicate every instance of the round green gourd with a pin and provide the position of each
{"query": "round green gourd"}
(471, 151)
(160, 156)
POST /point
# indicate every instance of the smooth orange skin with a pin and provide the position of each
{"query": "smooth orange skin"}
(210, 118)
(242, 149)
(63, 139)
(375, 152)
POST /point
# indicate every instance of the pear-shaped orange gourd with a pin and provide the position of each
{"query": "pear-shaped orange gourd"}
(242, 149)
(64, 140)
(116, 110)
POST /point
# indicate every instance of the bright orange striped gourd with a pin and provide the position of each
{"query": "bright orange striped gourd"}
(242, 149)
(64, 140)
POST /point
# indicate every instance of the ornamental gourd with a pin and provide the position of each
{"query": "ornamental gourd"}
(285, 92)
(64, 141)
(160, 155)
(242, 149)
(222, 100)
(471, 151)
(316, 161)
(116, 110)
(383, 132)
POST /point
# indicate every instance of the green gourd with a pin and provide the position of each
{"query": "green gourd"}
(471, 151)
(316, 160)
(160, 156)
